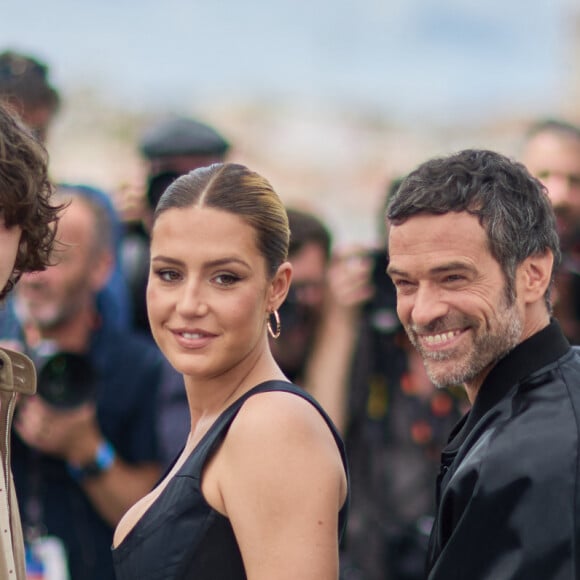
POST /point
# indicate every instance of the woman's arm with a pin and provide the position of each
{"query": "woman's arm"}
(282, 482)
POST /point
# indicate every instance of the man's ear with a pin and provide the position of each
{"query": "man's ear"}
(102, 269)
(534, 276)
(280, 285)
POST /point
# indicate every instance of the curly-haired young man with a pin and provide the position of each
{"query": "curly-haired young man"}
(27, 230)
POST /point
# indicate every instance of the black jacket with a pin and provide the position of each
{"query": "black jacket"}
(508, 494)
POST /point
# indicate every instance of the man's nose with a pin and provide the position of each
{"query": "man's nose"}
(558, 186)
(428, 305)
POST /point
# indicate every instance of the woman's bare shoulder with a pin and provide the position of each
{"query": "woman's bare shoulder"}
(280, 413)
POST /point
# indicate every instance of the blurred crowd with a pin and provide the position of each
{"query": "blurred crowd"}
(104, 387)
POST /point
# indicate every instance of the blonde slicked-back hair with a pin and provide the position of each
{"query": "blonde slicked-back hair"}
(236, 189)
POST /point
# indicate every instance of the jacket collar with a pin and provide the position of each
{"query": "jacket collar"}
(534, 353)
(17, 373)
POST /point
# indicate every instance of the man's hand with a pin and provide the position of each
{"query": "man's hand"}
(72, 434)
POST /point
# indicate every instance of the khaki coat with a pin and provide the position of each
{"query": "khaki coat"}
(17, 376)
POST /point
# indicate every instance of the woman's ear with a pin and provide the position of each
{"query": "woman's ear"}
(280, 285)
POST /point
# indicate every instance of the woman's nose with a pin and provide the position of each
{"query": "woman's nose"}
(192, 301)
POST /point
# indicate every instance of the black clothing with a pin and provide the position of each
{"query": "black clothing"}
(181, 536)
(394, 439)
(135, 261)
(509, 487)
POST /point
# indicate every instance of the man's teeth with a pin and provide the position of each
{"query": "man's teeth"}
(439, 338)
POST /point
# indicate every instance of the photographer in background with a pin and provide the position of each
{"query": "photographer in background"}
(309, 254)
(79, 464)
(551, 152)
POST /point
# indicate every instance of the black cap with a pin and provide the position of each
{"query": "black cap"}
(182, 136)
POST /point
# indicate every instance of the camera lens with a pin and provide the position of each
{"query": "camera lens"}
(66, 380)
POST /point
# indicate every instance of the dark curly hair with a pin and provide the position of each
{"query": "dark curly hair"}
(25, 196)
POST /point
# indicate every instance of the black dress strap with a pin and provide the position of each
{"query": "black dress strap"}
(181, 536)
(210, 442)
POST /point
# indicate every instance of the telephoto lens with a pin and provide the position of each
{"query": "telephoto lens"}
(66, 380)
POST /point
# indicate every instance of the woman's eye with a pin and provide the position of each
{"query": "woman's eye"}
(226, 279)
(168, 275)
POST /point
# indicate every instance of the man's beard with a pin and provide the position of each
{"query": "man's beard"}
(47, 316)
(488, 346)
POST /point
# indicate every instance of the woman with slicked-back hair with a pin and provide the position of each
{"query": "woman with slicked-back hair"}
(260, 489)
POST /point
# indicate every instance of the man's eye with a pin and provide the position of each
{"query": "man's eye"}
(454, 278)
(403, 285)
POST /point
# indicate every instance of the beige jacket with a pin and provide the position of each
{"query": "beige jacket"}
(17, 375)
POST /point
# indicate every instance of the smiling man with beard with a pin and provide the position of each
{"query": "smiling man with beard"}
(473, 247)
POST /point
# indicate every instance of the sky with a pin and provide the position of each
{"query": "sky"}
(408, 59)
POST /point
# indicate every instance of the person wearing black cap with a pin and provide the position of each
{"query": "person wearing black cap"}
(181, 144)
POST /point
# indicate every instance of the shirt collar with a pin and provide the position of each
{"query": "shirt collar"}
(534, 353)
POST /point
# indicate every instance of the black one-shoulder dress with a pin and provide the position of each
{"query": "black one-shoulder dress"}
(181, 536)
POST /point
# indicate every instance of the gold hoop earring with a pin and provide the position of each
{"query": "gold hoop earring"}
(274, 333)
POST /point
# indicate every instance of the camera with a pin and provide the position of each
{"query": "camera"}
(66, 380)
(382, 307)
(157, 184)
(294, 312)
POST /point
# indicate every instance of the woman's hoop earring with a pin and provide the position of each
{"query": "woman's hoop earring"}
(274, 333)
